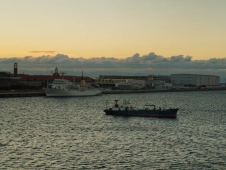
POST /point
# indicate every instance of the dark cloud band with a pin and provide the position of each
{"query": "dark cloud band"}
(136, 61)
(149, 64)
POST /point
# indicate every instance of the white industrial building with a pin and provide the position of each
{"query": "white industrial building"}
(195, 80)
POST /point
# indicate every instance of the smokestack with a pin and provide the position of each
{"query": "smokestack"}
(15, 69)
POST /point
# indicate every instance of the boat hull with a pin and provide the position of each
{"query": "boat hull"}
(170, 113)
(70, 93)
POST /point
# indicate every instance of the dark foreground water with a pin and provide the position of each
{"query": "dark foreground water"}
(74, 133)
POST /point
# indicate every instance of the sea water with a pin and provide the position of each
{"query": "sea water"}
(75, 133)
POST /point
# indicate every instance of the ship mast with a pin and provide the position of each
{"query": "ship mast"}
(82, 80)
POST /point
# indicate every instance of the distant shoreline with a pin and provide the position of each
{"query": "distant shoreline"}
(34, 93)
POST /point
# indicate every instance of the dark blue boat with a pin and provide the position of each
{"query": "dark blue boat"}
(149, 111)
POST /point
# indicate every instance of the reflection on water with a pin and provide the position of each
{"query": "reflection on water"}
(74, 133)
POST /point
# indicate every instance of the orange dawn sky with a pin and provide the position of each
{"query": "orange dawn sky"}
(113, 28)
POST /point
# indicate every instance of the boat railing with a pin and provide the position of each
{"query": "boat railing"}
(126, 102)
(149, 106)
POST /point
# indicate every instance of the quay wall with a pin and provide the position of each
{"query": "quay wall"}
(21, 93)
(31, 93)
(157, 91)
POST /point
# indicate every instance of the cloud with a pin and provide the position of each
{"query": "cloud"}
(146, 64)
(47, 52)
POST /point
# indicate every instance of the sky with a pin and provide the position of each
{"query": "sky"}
(184, 36)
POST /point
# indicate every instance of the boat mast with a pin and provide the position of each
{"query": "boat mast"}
(82, 82)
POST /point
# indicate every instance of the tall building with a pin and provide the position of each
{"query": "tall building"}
(56, 72)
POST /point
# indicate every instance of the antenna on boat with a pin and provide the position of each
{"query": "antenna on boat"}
(165, 105)
(106, 104)
(82, 82)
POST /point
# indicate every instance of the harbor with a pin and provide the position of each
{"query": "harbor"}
(113, 85)
(59, 85)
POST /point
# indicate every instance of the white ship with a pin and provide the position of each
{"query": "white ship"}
(65, 88)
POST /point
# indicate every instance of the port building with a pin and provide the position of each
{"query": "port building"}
(194, 80)
(133, 82)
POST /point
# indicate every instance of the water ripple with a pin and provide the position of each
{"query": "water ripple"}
(74, 133)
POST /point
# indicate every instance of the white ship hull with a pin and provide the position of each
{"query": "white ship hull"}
(51, 92)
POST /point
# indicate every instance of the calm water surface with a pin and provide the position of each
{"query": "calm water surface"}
(74, 133)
